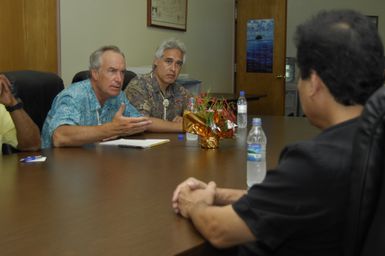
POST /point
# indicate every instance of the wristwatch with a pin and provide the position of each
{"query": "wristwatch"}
(19, 105)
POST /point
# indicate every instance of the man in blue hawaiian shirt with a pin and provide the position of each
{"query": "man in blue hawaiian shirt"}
(94, 109)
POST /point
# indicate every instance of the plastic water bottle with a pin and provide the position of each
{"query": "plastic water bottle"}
(242, 110)
(256, 154)
(191, 107)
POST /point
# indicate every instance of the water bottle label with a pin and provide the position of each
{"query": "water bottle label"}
(254, 152)
(242, 109)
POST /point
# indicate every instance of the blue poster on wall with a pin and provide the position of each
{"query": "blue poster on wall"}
(260, 41)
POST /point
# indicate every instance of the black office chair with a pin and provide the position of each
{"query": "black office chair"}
(85, 74)
(365, 227)
(37, 90)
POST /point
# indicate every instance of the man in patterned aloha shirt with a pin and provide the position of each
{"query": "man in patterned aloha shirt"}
(156, 94)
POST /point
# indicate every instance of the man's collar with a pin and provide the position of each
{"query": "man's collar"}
(94, 102)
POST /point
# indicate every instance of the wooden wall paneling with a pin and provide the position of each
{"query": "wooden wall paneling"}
(40, 35)
(11, 43)
(31, 27)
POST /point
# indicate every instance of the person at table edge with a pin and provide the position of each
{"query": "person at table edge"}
(16, 127)
(300, 207)
(95, 109)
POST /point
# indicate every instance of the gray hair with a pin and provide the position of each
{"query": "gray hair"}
(171, 43)
(95, 61)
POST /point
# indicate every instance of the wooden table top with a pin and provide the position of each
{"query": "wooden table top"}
(117, 201)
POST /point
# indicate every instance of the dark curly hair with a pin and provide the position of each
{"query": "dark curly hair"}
(345, 50)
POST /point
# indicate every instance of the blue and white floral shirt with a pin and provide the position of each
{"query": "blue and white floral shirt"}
(78, 105)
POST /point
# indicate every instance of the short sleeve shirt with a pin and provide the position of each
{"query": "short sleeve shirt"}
(300, 207)
(7, 128)
(144, 93)
(78, 105)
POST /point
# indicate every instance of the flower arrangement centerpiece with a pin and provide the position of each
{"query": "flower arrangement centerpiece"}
(212, 119)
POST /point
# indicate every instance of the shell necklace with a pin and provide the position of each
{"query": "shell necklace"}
(165, 103)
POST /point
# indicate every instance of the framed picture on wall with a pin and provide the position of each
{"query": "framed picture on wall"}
(171, 14)
(374, 19)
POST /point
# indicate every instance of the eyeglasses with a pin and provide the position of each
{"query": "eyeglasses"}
(170, 62)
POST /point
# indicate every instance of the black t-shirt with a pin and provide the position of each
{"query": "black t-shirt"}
(300, 207)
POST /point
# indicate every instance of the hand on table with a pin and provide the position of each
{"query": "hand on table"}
(188, 198)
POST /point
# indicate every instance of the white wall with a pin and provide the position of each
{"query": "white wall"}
(300, 10)
(88, 24)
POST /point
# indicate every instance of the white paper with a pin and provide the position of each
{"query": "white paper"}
(135, 143)
(41, 159)
(33, 159)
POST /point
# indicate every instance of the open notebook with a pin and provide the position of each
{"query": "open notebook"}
(135, 143)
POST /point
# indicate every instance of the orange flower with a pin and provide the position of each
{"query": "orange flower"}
(213, 117)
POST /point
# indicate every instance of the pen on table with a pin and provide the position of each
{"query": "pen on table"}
(129, 146)
(30, 158)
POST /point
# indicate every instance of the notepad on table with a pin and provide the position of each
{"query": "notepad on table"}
(135, 143)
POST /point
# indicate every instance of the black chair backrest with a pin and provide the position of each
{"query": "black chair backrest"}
(37, 90)
(85, 74)
(365, 227)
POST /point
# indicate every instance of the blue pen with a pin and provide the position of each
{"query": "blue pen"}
(30, 158)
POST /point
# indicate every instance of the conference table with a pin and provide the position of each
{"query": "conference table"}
(107, 200)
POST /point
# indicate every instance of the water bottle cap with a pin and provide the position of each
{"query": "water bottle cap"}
(257, 121)
(242, 93)
(180, 136)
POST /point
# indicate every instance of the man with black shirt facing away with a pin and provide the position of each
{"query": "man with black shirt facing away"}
(299, 209)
